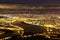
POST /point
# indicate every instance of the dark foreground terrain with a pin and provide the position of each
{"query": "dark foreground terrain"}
(29, 38)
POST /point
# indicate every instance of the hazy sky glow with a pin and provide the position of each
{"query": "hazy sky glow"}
(32, 2)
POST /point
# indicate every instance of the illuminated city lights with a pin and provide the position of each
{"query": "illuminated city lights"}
(52, 26)
(28, 21)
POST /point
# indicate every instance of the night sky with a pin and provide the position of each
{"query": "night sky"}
(31, 2)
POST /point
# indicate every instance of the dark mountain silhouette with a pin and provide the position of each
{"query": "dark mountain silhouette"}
(30, 28)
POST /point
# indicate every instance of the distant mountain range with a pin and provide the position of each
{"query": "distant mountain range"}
(32, 2)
